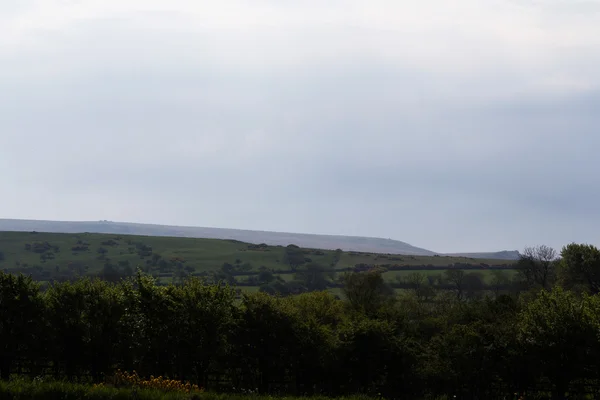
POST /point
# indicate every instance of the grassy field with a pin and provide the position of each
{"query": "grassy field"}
(202, 254)
(353, 258)
(48, 254)
(23, 389)
(486, 274)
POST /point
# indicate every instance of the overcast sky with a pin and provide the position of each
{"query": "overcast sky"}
(463, 125)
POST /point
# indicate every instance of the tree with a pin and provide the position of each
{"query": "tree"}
(456, 278)
(419, 284)
(155, 259)
(558, 332)
(102, 318)
(110, 273)
(414, 280)
(265, 277)
(375, 360)
(473, 284)
(314, 277)
(67, 307)
(537, 266)
(265, 343)
(500, 280)
(579, 267)
(180, 274)
(277, 287)
(246, 267)
(203, 319)
(293, 256)
(462, 358)
(337, 255)
(227, 268)
(319, 317)
(21, 319)
(366, 291)
(153, 315)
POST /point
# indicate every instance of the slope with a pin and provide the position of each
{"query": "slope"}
(328, 242)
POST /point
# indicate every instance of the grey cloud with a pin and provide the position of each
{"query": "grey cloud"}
(109, 120)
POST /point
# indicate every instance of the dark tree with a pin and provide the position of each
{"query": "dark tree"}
(366, 291)
(456, 278)
(293, 256)
(579, 267)
(266, 277)
(473, 285)
(21, 311)
(500, 280)
(537, 266)
(314, 277)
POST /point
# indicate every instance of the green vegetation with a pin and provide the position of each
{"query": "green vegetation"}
(39, 389)
(537, 335)
(50, 257)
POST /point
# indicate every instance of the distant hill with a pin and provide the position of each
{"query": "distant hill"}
(499, 255)
(326, 242)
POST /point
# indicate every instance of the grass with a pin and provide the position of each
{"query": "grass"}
(353, 258)
(486, 274)
(59, 252)
(50, 390)
(202, 254)
(23, 389)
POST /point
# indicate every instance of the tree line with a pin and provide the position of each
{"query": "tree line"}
(544, 337)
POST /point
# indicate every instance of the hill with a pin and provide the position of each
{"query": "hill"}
(48, 256)
(327, 242)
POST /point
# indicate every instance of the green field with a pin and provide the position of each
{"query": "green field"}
(486, 274)
(353, 258)
(47, 256)
(202, 254)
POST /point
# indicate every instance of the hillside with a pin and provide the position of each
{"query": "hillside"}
(48, 256)
(327, 242)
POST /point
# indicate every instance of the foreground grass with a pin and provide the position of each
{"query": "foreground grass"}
(32, 390)
(51, 390)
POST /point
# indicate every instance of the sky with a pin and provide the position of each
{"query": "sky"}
(463, 125)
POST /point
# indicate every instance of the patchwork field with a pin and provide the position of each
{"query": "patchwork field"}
(49, 256)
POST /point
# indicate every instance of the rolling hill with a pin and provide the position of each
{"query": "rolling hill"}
(64, 256)
(325, 242)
